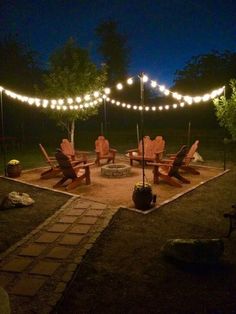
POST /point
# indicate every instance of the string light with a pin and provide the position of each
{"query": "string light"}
(188, 99)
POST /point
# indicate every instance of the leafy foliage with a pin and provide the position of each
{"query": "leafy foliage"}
(205, 72)
(114, 50)
(72, 73)
(226, 110)
(19, 65)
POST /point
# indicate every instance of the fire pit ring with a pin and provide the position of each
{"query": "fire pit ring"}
(115, 170)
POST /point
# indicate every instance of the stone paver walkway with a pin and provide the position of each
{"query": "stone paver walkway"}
(36, 270)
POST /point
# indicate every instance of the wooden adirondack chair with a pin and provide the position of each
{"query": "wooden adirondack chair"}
(153, 150)
(72, 171)
(186, 163)
(189, 157)
(54, 168)
(103, 150)
(74, 155)
(169, 169)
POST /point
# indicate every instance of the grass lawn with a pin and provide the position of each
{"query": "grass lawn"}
(15, 223)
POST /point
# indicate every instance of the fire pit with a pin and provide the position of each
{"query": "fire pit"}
(115, 170)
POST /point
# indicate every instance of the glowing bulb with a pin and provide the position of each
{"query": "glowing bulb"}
(64, 108)
(76, 107)
(96, 94)
(206, 97)
(147, 108)
(70, 101)
(153, 83)
(117, 103)
(160, 108)
(104, 96)
(130, 81)
(123, 105)
(175, 106)
(140, 107)
(119, 86)
(162, 88)
(167, 107)
(128, 106)
(87, 97)
(135, 107)
(53, 102)
(58, 107)
(107, 90)
(197, 99)
(78, 99)
(52, 106)
(153, 108)
(113, 101)
(145, 78)
(182, 104)
(166, 92)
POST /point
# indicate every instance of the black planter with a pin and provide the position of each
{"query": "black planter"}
(13, 171)
(142, 198)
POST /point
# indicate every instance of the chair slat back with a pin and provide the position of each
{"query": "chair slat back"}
(65, 165)
(44, 153)
(102, 145)
(178, 161)
(193, 149)
(67, 148)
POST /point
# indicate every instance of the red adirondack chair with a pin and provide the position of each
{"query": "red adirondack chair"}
(72, 171)
(54, 168)
(74, 155)
(168, 170)
(103, 150)
(153, 150)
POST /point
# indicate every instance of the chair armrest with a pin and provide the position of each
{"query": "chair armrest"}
(84, 165)
(132, 150)
(171, 155)
(113, 150)
(78, 152)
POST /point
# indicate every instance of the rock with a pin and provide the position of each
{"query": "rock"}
(4, 302)
(194, 250)
(16, 199)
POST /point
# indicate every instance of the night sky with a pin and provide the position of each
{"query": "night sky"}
(162, 35)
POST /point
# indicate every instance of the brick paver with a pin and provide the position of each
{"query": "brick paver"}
(17, 264)
(48, 237)
(58, 227)
(71, 239)
(32, 250)
(88, 220)
(27, 286)
(82, 229)
(94, 212)
(45, 268)
(75, 212)
(60, 252)
(68, 219)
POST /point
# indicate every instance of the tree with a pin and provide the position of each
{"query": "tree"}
(226, 110)
(72, 74)
(200, 75)
(204, 72)
(19, 71)
(114, 51)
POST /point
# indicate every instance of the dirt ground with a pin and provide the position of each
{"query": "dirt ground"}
(118, 191)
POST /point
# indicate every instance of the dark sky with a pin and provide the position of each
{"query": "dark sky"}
(162, 35)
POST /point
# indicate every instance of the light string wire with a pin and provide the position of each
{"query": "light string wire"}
(95, 98)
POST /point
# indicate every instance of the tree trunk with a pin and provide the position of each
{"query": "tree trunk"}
(72, 133)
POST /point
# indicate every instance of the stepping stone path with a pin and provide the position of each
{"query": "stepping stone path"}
(36, 270)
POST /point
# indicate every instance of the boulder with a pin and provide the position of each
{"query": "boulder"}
(16, 199)
(204, 251)
(4, 302)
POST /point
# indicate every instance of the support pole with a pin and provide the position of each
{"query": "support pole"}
(189, 134)
(142, 122)
(3, 135)
(105, 116)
